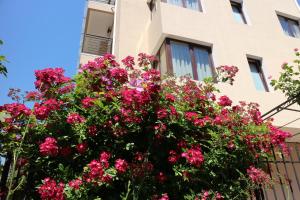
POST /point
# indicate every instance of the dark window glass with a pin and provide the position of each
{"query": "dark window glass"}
(257, 75)
(238, 12)
(289, 26)
(191, 4)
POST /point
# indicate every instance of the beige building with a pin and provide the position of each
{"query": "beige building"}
(195, 36)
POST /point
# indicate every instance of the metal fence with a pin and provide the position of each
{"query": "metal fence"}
(111, 2)
(285, 173)
(96, 45)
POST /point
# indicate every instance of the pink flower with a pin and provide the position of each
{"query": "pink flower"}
(49, 77)
(151, 75)
(32, 96)
(145, 60)
(104, 157)
(162, 113)
(65, 151)
(194, 156)
(121, 165)
(75, 184)
(278, 138)
(227, 73)
(16, 110)
(82, 147)
(164, 197)
(139, 156)
(161, 177)
(128, 62)
(74, 118)
(43, 110)
(96, 170)
(191, 116)
(51, 190)
(22, 161)
(219, 196)
(88, 102)
(258, 176)
(49, 147)
(224, 101)
(92, 130)
(120, 75)
(170, 97)
(173, 157)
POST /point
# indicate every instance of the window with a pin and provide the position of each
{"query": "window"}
(191, 4)
(186, 59)
(238, 12)
(290, 27)
(257, 75)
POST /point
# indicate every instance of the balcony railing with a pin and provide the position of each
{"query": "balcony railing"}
(96, 45)
(111, 2)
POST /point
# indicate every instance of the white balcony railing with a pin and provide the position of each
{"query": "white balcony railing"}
(111, 2)
(96, 45)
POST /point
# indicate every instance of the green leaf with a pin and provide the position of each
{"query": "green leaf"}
(3, 116)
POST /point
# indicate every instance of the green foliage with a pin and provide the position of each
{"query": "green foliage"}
(127, 134)
(3, 69)
(289, 79)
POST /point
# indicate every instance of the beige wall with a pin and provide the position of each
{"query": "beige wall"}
(136, 30)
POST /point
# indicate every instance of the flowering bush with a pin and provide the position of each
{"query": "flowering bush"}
(127, 134)
(289, 79)
(227, 73)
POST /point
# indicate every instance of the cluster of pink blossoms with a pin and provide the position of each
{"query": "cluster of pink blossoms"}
(194, 156)
(88, 102)
(121, 165)
(258, 176)
(129, 62)
(42, 110)
(100, 63)
(50, 77)
(75, 184)
(16, 110)
(206, 195)
(119, 74)
(278, 138)
(82, 147)
(50, 190)
(145, 60)
(224, 101)
(97, 169)
(75, 118)
(49, 147)
(227, 73)
(136, 94)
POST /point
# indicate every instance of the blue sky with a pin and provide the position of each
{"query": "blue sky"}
(38, 34)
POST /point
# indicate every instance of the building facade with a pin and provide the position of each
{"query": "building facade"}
(195, 36)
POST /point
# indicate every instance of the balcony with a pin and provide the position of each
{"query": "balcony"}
(110, 2)
(98, 33)
(96, 45)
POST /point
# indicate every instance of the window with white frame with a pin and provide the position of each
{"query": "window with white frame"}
(289, 26)
(257, 75)
(237, 10)
(190, 4)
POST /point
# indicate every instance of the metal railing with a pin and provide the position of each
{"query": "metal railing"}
(96, 45)
(111, 2)
(285, 173)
